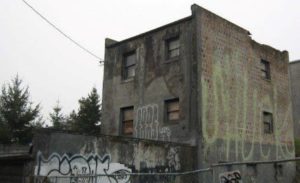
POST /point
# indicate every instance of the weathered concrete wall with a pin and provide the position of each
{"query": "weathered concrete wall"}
(235, 94)
(61, 154)
(156, 80)
(13, 163)
(295, 89)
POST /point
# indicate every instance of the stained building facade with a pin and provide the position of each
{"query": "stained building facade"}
(195, 94)
(294, 68)
(202, 81)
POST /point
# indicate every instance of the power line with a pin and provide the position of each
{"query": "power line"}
(64, 34)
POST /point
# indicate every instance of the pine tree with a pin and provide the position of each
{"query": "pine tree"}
(57, 118)
(87, 120)
(18, 116)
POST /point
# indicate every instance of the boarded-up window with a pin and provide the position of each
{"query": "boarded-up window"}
(172, 109)
(173, 47)
(129, 65)
(127, 120)
(268, 122)
(265, 68)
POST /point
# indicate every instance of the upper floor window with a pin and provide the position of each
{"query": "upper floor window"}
(173, 47)
(129, 64)
(172, 109)
(266, 71)
(127, 120)
(268, 122)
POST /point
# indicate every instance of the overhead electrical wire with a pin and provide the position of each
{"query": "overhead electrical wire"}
(64, 34)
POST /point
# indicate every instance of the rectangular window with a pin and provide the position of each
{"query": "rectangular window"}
(173, 47)
(127, 120)
(268, 122)
(266, 72)
(172, 109)
(129, 65)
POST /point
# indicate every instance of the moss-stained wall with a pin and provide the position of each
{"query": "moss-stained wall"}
(157, 79)
(234, 95)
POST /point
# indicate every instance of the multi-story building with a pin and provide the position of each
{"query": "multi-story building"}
(202, 81)
(196, 100)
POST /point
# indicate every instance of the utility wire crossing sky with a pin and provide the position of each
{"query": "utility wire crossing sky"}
(64, 34)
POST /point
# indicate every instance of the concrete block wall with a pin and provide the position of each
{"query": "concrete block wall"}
(65, 154)
(294, 68)
(234, 95)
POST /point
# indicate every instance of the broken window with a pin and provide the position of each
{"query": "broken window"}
(129, 65)
(127, 120)
(268, 122)
(173, 47)
(266, 72)
(172, 109)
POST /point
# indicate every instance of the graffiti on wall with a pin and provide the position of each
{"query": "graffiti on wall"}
(147, 125)
(232, 111)
(172, 165)
(85, 166)
(173, 158)
(230, 177)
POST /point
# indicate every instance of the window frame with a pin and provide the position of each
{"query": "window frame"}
(123, 121)
(269, 123)
(167, 112)
(266, 69)
(168, 50)
(125, 67)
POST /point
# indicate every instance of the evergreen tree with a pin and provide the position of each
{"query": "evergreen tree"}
(87, 120)
(70, 121)
(57, 118)
(18, 116)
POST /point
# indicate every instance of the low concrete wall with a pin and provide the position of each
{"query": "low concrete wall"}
(65, 154)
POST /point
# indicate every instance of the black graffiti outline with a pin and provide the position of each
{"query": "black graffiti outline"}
(65, 158)
(232, 177)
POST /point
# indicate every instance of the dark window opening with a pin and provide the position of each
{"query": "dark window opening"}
(172, 109)
(127, 120)
(173, 47)
(268, 122)
(266, 71)
(129, 65)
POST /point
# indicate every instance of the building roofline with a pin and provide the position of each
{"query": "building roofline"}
(219, 16)
(50, 131)
(294, 62)
(151, 31)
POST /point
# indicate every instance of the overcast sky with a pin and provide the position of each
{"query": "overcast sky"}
(54, 68)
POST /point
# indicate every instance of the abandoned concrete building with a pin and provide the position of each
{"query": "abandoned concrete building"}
(201, 81)
(197, 93)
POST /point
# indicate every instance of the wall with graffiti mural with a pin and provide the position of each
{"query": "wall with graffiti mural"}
(81, 165)
(237, 95)
(64, 155)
